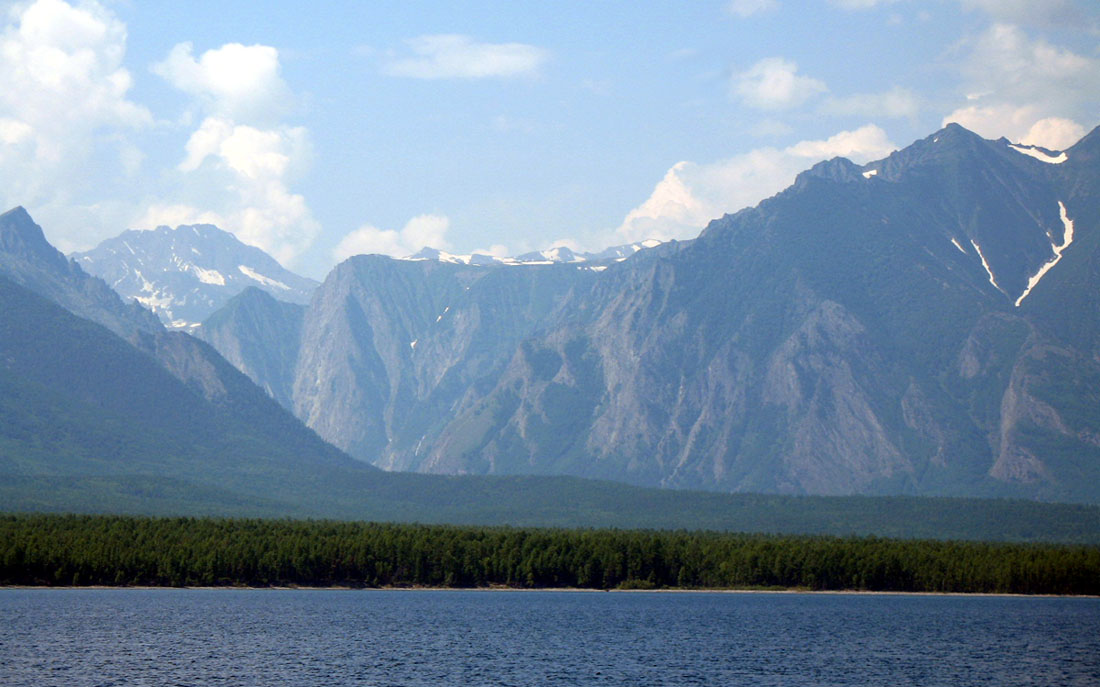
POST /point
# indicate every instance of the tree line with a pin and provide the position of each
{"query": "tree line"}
(64, 550)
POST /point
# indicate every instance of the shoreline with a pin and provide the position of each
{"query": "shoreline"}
(579, 590)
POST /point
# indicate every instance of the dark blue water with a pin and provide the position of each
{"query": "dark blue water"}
(302, 638)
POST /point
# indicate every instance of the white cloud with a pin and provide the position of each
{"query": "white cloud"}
(237, 81)
(419, 232)
(690, 194)
(861, 145)
(451, 56)
(63, 100)
(252, 153)
(1003, 60)
(254, 166)
(240, 161)
(746, 8)
(1021, 88)
(1054, 133)
(896, 103)
(773, 84)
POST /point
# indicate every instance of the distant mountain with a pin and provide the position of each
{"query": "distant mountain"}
(561, 254)
(923, 324)
(185, 274)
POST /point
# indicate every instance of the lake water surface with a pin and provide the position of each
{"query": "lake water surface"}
(107, 637)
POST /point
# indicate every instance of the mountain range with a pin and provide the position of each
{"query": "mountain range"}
(925, 324)
(184, 275)
(103, 410)
(922, 324)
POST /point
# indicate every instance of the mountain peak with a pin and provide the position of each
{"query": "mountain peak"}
(17, 222)
(21, 236)
(16, 214)
(955, 133)
(186, 273)
(837, 169)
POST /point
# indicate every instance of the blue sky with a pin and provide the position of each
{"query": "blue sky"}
(323, 130)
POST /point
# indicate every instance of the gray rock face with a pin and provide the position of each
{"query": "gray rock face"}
(926, 324)
(260, 336)
(388, 347)
(185, 274)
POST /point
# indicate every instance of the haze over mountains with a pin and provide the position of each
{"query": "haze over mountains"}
(923, 324)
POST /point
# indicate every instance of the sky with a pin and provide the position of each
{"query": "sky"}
(317, 131)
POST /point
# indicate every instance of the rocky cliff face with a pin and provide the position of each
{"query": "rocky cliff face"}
(922, 324)
(388, 347)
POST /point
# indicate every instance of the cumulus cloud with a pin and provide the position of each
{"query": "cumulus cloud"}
(240, 161)
(253, 166)
(237, 81)
(746, 8)
(774, 84)
(691, 194)
(452, 56)
(1054, 133)
(896, 103)
(63, 100)
(419, 232)
(1022, 88)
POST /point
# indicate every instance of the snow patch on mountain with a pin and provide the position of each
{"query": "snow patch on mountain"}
(985, 264)
(1067, 238)
(208, 276)
(257, 277)
(1040, 154)
(551, 256)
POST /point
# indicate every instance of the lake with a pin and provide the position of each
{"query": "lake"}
(114, 637)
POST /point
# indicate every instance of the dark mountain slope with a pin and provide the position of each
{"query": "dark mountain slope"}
(78, 401)
(29, 260)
